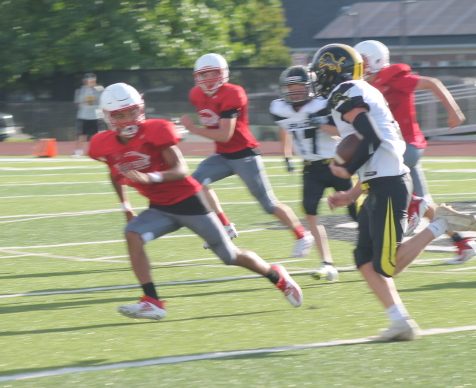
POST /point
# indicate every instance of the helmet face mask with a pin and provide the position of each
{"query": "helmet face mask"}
(375, 54)
(210, 73)
(123, 109)
(295, 85)
(126, 121)
(334, 64)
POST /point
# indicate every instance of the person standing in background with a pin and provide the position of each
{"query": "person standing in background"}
(89, 114)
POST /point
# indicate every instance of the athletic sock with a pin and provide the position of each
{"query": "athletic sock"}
(223, 219)
(438, 227)
(149, 290)
(273, 276)
(397, 312)
(456, 237)
(299, 231)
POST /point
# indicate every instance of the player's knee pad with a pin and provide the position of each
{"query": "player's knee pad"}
(225, 253)
(130, 232)
(267, 204)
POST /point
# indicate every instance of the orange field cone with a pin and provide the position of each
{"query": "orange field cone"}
(45, 148)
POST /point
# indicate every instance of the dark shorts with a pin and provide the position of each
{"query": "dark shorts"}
(382, 220)
(316, 177)
(88, 127)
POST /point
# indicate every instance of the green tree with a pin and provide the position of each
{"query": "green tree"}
(45, 36)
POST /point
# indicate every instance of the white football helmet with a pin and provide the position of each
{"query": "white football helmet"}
(123, 109)
(375, 54)
(210, 62)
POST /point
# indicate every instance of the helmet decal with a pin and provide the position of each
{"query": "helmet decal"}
(334, 64)
(329, 60)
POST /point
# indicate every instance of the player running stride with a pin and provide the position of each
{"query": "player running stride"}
(304, 119)
(223, 111)
(380, 254)
(143, 154)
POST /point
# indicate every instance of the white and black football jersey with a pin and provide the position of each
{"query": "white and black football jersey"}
(308, 141)
(387, 159)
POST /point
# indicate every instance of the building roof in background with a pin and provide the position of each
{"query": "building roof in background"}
(307, 17)
(421, 18)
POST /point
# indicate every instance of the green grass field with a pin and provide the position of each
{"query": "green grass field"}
(64, 270)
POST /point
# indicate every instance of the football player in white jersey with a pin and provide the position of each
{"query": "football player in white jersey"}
(356, 106)
(303, 118)
(398, 83)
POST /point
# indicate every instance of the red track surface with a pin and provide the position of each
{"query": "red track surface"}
(435, 148)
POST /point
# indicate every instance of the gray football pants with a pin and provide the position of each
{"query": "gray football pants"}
(153, 223)
(250, 169)
(411, 158)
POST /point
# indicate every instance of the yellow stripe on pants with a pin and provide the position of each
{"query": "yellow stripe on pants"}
(389, 247)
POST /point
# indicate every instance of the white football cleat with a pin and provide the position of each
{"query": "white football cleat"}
(328, 272)
(303, 245)
(147, 307)
(288, 286)
(455, 220)
(402, 330)
(465, 250)
(230, 231)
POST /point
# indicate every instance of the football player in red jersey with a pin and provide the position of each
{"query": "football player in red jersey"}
(222, 108)
(398, 83)
(143, 154)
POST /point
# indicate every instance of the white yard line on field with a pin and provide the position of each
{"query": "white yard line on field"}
(167, 360)
(55, 195)
(110, 241)
(307, 271)
(470, 194)
(37, 216)
(164, 284)
(34, 217)
(456, 170)
(51, 168)
(18, 184)
(22, 176)
(446, 160)
(62, 257)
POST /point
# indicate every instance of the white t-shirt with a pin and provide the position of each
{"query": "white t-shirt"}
(87, 98)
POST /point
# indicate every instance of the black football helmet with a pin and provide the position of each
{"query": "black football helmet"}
(296, 75)
(334, 64)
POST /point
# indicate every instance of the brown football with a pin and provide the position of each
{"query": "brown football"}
(346, 148)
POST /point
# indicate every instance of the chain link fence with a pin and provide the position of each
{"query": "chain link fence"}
(45, 107)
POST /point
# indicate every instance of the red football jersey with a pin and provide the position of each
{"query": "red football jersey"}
(209, 108)
(143, 153)
(397, 83)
